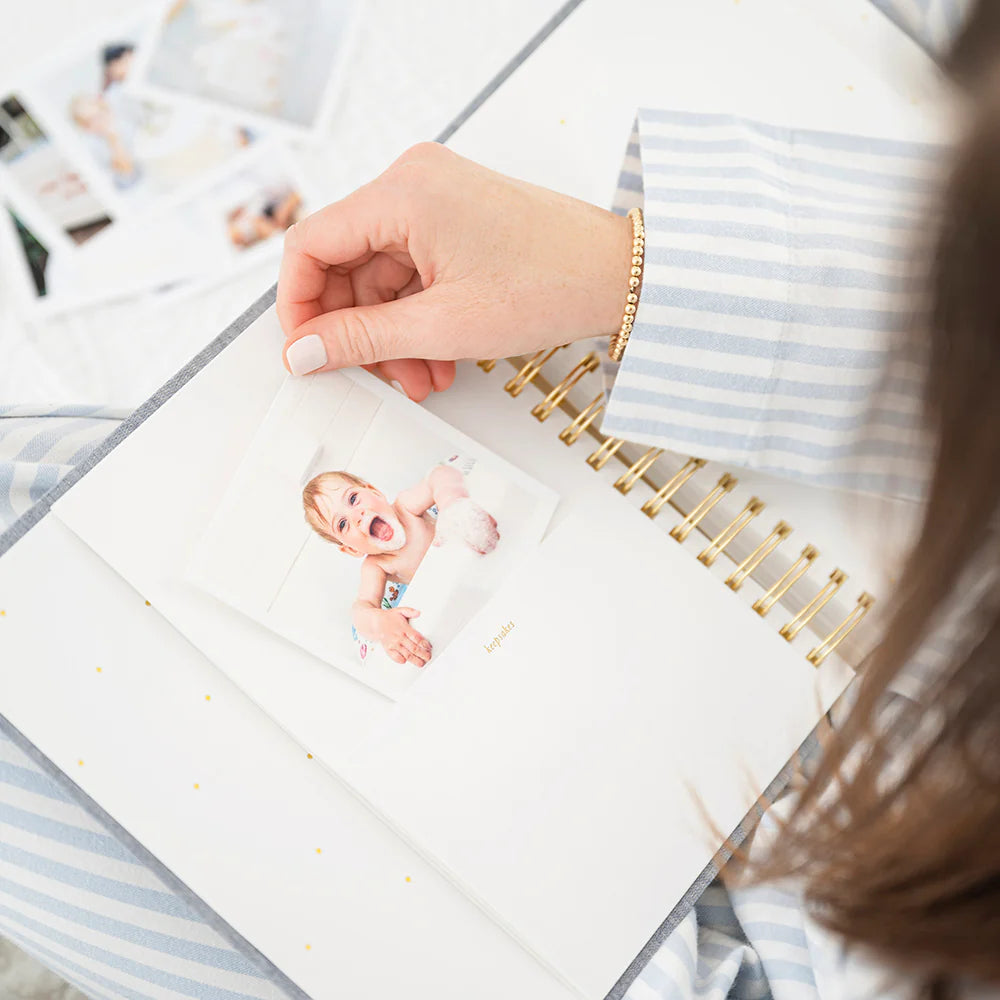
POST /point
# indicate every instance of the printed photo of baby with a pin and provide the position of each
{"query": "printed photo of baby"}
(241, 216)
(391, 539)
(267, 213)
(365, 530)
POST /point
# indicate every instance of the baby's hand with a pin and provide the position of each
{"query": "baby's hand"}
(466, 521)
(402, 642)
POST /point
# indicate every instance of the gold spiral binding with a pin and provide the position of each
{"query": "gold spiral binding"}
(569, 435)
(792, 628)
(601, 457)
(826, 646)
(722, 487)
(795, 572)
(529, 371)
(654, 504)
(736, 579)
(718, 544)
(637, 470)
(544, 409)
(610, 446)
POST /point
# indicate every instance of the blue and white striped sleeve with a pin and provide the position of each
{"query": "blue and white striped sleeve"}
(39, 445)
(775, 328)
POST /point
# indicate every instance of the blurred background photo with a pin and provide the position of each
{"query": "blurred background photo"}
(255, 56)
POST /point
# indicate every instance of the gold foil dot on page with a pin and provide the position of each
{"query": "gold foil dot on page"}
(196, 785)
(208, 697)
(148, 605)
(408, 879)
(309, 755)
(80, 762)
(319, 850)
(308, 947)
(98, 669)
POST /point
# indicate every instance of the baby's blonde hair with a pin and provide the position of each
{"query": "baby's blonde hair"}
(312, 490)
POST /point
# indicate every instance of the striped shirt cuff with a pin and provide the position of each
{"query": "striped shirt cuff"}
(776, 301)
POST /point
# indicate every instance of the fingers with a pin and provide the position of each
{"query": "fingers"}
(414, 376)
(411, 327)
(381, 279)
(418, 378)
(418, 655)
(442, 374)
(342, 235)
(417, 644)
(417, 661)
(411, 648)
(350, 293)
(412, 644)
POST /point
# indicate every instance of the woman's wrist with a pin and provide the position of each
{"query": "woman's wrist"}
(614, 249)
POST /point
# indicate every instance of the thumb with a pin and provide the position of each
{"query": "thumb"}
(409, 612)
(411, 327)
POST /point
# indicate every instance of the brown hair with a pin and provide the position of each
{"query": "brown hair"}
(895, 835)
(317, 486)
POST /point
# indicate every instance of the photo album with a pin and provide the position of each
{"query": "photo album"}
(465, 627)
(396, 693)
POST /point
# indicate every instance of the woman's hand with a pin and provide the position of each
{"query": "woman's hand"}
(440, 259)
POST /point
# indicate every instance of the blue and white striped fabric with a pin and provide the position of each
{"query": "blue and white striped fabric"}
(39, 445)
(759, 943)
(78, 900)
(777, 296)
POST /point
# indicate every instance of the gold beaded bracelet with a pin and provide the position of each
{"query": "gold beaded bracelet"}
(616, 348)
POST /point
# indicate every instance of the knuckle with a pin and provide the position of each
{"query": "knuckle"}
(417, 167)
(359, 341)
(421, 152)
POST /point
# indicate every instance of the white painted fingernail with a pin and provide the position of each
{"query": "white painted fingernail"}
(398, 386)
(306, 355)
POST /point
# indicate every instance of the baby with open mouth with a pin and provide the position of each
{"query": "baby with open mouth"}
(392, 539)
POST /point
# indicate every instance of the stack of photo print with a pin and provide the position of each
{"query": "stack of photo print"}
(160, 153)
